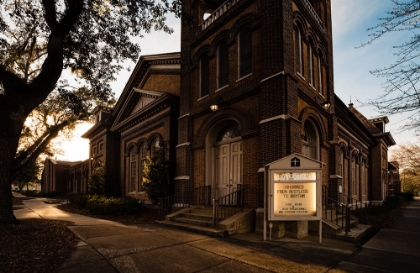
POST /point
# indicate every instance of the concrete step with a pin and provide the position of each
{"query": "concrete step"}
(209, 231)
(196, 216)
(357, 234)
(186, 219)
(202, 211)
(341, 220)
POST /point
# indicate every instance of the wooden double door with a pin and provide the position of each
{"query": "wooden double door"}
(228, 167)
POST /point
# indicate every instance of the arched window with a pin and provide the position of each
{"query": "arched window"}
(204, 75)
(363, 176)
(311, 70)
(298, 51)
(320, 73)
(310, 141)
(142, 159)
(341, 163)
(245, 51)
(354, 179)
(229, 131)
(133, 170)
(222, 64)
(155, 145)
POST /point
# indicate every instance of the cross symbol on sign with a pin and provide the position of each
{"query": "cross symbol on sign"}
(295, 162)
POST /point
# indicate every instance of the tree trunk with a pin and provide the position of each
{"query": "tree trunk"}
(11, 124)
(6, 202)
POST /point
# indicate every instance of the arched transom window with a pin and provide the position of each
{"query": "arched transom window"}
(229, 131)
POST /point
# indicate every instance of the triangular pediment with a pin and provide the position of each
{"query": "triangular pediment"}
(137, 102)
(146, 98)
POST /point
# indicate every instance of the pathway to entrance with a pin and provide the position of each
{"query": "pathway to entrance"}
(107, 246)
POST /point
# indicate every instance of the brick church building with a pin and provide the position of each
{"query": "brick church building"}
(253, 83)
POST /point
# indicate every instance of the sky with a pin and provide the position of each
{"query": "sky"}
(352, 79)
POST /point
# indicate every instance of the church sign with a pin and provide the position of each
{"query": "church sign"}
(294, 190)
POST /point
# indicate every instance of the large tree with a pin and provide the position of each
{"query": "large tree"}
(408, 157)
(41, 38)
(401, 94)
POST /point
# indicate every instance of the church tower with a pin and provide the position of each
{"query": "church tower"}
(256, 86)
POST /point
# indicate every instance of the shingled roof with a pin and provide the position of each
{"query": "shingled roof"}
(367, 123)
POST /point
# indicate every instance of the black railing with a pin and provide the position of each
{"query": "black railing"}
(336, 212)
(202, 196)
(217, 13)
(173, 203)
(228, 205)
(340, 212)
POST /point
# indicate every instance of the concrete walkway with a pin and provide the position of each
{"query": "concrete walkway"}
(39, 208)
(107, 246)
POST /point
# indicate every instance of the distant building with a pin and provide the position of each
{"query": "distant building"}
(394, 181)
(64, 176)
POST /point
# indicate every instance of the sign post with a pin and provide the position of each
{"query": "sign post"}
(294, 190)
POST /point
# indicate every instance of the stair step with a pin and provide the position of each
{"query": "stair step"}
(358, 233)
(339, 220)
(202, 211)
(192, 221)
(195, 216)
(198, 229)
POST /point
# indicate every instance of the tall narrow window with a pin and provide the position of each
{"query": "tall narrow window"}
(133, 170)
(222, 64)
(142, 159)
(245, 52)
(204, 75)
(353, 176)
(364, 178)
(320, 85)
(311, 65)
(310, 141)
(298, 52)
(155, 145)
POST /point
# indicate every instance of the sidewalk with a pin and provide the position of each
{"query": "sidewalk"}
(107, 246)
(37, 208)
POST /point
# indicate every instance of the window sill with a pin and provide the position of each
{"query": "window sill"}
(244, 77)
(221, 88)
(300, 76)
(313, 87)
(203, 97)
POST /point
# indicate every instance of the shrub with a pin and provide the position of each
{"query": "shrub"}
(79, 201)
(96, 183)
(390, 203)
(156, 174)
(408, 196)
(102, 205)
(52, 194)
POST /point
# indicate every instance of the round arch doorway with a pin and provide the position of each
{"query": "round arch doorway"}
(224, 161)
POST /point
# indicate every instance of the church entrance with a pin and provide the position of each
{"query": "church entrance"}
(226, 159)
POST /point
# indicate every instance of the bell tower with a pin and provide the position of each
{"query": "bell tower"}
(267, 66)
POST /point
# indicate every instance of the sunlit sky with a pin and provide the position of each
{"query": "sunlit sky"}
(352, 80)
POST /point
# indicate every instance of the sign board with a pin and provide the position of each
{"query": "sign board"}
(294, 189)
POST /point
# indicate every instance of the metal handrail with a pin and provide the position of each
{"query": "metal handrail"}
(173, 203)
(228, 205)
(332, 208)
(352, 207)
(202, 195)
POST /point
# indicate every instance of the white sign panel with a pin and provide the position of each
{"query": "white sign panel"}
(294, 195)
(295, 199)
